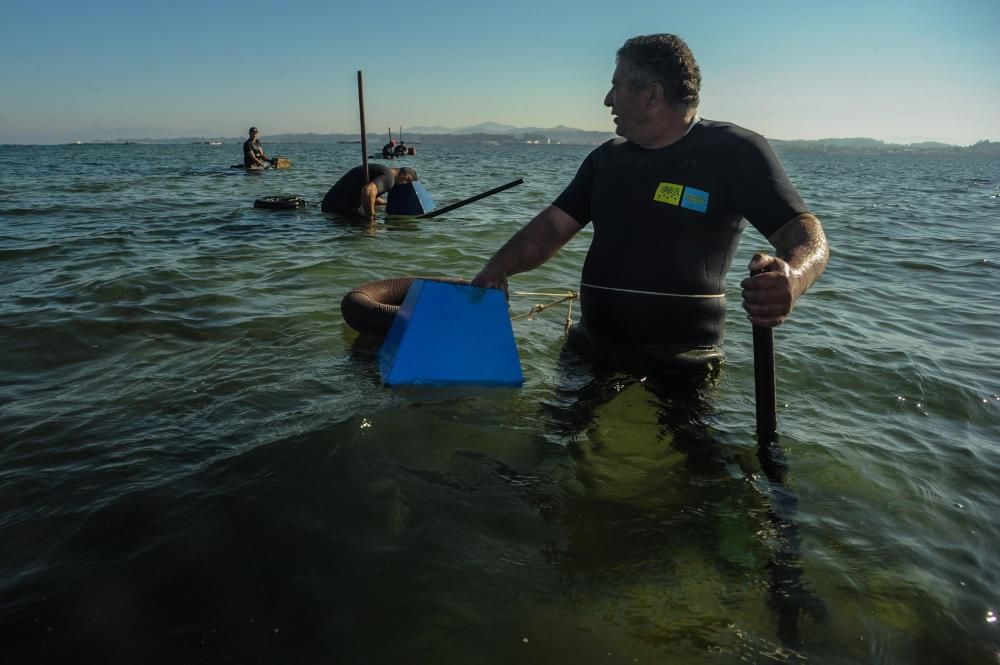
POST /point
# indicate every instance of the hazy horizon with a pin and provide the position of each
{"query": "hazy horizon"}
(158, 134)
(900, 72)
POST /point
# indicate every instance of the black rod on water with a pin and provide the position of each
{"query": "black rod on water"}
(364, 134)
(788, 597)
(764, 388)
(471, 199)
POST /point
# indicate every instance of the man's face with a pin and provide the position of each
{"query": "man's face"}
(402, 179)
(629, 106)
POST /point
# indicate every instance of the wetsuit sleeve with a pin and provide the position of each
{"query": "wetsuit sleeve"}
(384, 182)
(761, 189)
(575, 199)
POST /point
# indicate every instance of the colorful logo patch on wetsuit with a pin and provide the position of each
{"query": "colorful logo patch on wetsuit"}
(668, 192)
(685, 197)
(695, 199)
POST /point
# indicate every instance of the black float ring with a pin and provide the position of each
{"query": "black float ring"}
(280, 202)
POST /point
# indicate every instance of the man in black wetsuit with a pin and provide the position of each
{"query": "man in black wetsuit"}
(669, 200)
(253, 152)
(389, 150)
(351, 196)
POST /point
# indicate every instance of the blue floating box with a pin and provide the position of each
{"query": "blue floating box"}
(449, 334)
(409, 200)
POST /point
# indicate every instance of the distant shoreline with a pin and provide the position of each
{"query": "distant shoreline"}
(573, 137)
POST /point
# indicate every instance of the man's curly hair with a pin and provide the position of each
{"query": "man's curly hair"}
(667, 60)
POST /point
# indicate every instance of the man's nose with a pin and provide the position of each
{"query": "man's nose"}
(609, 99)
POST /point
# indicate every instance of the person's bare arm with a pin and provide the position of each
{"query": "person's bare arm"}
(776, 282)
(533, 245)
(368, 195)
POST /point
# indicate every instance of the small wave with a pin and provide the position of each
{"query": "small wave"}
(92, 187)
(27, 252)
(32, 212)
(980, 263)
(923, 267)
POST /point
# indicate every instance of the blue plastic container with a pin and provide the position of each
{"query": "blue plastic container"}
(409, 200)
(450, 334)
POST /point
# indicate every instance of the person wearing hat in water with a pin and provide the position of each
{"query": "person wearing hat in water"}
(253, 152)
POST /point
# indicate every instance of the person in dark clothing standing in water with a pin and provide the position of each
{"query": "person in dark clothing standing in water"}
(253, 152)
(389, 150)
(669, 200)
(351, 196)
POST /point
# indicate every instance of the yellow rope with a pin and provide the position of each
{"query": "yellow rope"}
(563, 294)
(569, 318)
(566, 296)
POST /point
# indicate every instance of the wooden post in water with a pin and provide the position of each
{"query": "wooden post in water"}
(364, 134)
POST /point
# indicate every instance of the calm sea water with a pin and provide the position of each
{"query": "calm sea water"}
(199, 464)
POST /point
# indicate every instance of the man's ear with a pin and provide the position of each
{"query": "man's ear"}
(655, 92)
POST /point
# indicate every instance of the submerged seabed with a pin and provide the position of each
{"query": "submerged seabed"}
(199, 463)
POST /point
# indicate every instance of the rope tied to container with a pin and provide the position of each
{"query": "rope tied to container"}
(565, 297)
(371, 308)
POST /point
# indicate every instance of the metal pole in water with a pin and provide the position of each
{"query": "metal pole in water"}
(364, 134)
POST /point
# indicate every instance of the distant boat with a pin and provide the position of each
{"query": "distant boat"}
(214, 142)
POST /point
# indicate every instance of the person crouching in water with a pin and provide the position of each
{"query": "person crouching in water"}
(253, 152)
(351, 196)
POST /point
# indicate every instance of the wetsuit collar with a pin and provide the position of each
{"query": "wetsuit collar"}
(694, 121)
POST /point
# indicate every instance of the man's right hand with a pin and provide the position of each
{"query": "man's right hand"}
(530, 247)
(492, 277)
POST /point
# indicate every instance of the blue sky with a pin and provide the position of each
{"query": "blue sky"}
(894, 70)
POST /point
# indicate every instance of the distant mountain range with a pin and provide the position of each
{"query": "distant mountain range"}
(486, 132)
(866, 145)
(497, 128)
(481, 128)
(496, 133)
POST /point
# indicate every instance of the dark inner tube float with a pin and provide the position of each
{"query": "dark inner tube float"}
(371, 307)
(284, 202)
